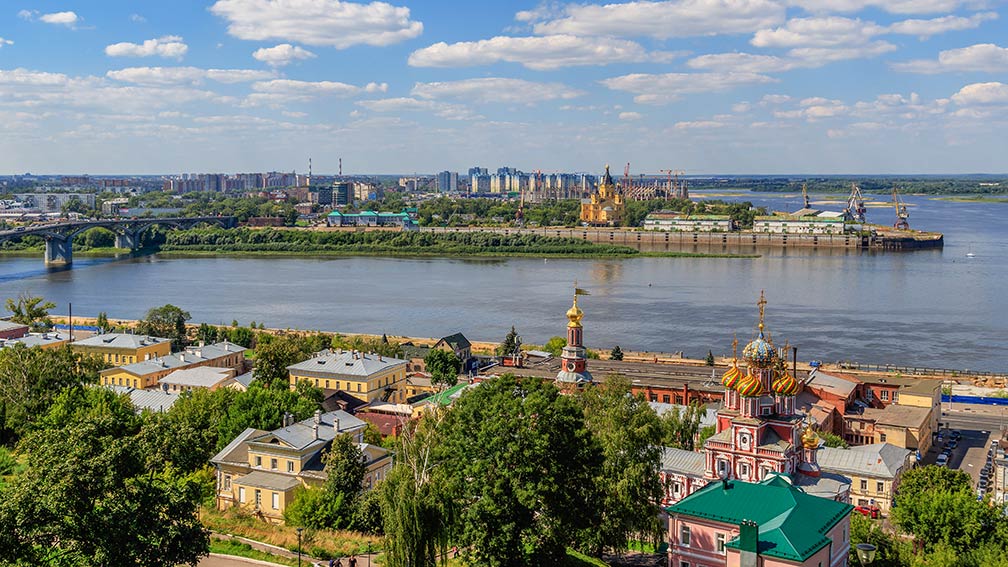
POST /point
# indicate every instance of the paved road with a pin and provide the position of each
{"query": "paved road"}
(218, 561)
(979, 425)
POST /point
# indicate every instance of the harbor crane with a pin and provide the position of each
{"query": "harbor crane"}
(901, 212)
(856, 209)
(804, 194)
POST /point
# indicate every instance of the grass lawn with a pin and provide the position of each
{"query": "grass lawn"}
(235, 547)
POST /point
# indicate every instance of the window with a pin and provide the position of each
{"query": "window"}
(879, 487)
(276, 501)
(358, 386)
(884, 394)
(895, 396)
(676, 489)
(864, 484)
(684, 535)
(653, 397)
(273, 464)
(722, 467)
(720, 543)
(258, 498)
(327, 384)
(684, 564)
(241, 494)
(882, 437)
(227, 482)
(665, 399)
(290, 466)
(743, 469)
(258, 461)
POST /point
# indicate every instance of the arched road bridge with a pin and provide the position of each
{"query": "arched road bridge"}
(59, 236)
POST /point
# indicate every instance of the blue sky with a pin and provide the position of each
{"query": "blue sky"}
(708, 86)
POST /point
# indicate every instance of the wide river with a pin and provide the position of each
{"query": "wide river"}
(935, 308)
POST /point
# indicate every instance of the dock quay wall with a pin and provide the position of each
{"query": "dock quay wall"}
(661, 241)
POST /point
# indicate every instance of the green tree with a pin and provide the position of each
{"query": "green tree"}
(90, 498)
(32, 378)
(206, 333)
(704, 433)
(444, 367)
(418, 515)
(710, 358)
(241, 336)
(102, 322)
(274, 356)
(334, 504)
(630, 434)
(937, 505)
(555, 345)
(680, 426)
(32, 311)
(523, 468)
(511, 343)
(616, 354)
(889, 551)
(167, 321)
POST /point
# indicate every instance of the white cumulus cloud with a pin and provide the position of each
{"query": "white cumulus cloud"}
(630, 116)
(318, 22)
(495, 89)
(891, 6)
(283, 54)
(662, 20)
(666, 88)
(982, 93)
(4, 42)
(165, 46)
(539, 53)
(935, 26)
(282, 91)
(982, 57)
(185, 75)
(60, 18)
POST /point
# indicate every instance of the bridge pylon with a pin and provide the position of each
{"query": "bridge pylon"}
(58, 251)
(127, 239)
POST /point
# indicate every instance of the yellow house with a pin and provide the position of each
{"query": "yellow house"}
(365, 376)
(261, 471)
(147, 373)
(923, 394)
(41, 340)
(123, 348)
(605, 207)
(875, 471)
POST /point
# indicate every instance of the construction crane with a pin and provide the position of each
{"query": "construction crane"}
(856, 209)
(681, 190)
(520, 213)
(627, 186)
(804, 194)
(901, 212)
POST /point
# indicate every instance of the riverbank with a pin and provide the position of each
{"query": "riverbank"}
(90, 252)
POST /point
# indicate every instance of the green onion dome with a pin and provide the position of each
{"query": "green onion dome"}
(751, 386)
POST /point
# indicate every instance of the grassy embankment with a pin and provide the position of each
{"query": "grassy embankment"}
(39, 251)
(971, 199)
(316, 543)
(281, 242)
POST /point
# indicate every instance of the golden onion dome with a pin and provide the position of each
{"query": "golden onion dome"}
(760, 353)
(810, 439)
(732, 377)
(574, 315)
(785, 384)
(751, 386)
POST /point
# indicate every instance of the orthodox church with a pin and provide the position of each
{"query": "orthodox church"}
(574, 359)
(758, 433)
(606, 206)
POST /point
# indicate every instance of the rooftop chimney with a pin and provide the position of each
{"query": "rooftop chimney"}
(314, 429)
(318, 417)
(335, 425)
(181, 357)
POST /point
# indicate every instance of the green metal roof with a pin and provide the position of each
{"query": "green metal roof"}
(445, 398)
(792, 524)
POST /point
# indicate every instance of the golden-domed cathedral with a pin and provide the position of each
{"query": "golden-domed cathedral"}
(759, 432)
(605, 207)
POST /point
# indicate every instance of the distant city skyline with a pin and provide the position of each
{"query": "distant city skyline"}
(706, 86)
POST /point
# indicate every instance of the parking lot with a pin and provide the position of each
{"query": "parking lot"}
(970, 454)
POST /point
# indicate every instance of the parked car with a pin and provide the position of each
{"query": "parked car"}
(942, 460)
(956, 435)
(871, 511)
(952, 444)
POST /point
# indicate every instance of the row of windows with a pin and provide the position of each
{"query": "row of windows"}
(879, 486)
(275, 497)
(274, 463)
(684, 538)
(348, 386)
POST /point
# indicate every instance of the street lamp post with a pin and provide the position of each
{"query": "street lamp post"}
(865, 553)
(299, 530)
(369, 554)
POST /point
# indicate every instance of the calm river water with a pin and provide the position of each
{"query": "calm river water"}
(934, 308)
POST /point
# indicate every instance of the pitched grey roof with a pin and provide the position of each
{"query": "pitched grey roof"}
(268, 480)
(153, 400)
(11, 325)
(302, 434)
(237, 450)
(121, 340)
(199, 377)
(690, 463)
(38, 339)
(831, 383)
(188, 357)
(246, 379)
(878, 460)
(827, 485)
(457, 341)
(347, 363)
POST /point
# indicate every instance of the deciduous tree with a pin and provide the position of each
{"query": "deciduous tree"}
(32, 311)
(167, 321)
(444, 367)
